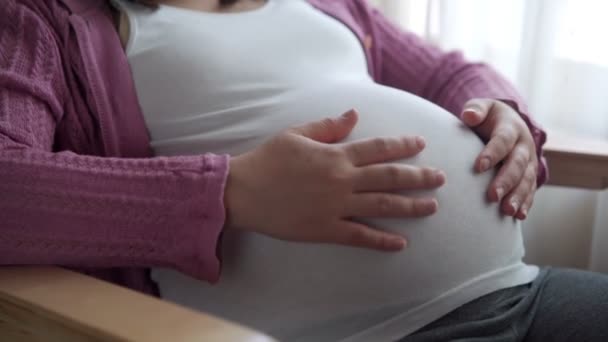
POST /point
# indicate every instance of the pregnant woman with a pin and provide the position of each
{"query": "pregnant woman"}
(229, 78)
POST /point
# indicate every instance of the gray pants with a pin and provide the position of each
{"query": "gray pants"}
(560, 305)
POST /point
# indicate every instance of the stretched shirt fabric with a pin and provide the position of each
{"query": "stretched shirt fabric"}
(78, 184)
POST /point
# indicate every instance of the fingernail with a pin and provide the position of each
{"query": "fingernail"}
(420, 142)
(393, 243)
(440, 176)
(397, 243)
(471, 111)
(515, 206)
(348, 114)
(499, 193)
(524, 212)
(432, 205)
(484, 165)
(426, 206)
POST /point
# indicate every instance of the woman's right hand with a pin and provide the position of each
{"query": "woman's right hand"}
(301, 186)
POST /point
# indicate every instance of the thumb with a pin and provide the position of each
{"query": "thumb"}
(329, 130)
(476, 111)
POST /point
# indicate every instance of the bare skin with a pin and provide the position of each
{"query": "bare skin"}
(212, 6)
(209, 5)
(509, 142)
(300, 186)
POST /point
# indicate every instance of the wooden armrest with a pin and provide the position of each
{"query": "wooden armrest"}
(577, 162)
(53, 304)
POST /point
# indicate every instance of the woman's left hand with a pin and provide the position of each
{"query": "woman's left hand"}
(510, 143)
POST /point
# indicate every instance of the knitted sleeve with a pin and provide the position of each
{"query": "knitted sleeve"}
(85, 211)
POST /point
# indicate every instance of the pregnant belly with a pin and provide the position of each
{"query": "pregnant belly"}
(273, 285)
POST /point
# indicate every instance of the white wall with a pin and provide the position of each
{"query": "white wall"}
(559, 231)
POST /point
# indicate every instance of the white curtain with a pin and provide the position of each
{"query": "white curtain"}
(556, 53)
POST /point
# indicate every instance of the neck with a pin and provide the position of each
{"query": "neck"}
(216, 5)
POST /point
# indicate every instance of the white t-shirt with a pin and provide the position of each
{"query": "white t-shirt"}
(225, 83)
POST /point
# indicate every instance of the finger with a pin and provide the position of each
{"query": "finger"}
(501, 143)
(384, 205)
(476, 111)
(510, 173)
(359, 235)
(513, 202)
(329, 130)
(379, 150)
(527, 205)
(395, 177)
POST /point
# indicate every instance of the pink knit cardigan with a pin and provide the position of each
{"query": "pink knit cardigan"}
(78, 184)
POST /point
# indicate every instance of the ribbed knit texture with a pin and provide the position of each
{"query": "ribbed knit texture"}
(78, 186)
(89, 211)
